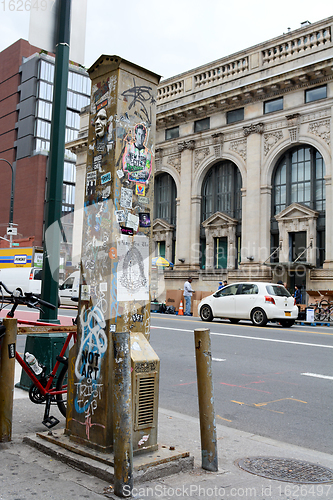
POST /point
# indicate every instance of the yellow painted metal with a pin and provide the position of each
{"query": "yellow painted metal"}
(122, 415)
(7, 373)
(203, 354)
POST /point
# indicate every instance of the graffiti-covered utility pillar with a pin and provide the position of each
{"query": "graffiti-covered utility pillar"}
(116, 255)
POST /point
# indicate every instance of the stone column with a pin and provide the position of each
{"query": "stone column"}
(328, 264)
(209, 249)
(265, 230)
(117, 242)
(184, 213)
(195, 232)
(251, 230)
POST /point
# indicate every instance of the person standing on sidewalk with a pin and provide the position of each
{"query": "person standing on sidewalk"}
(188, 296)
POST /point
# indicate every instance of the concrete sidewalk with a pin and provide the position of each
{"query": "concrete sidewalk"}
(27, 473)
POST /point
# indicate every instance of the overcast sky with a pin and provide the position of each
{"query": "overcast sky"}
(171, 37)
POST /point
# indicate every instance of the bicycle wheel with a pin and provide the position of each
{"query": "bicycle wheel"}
(62, 398)
(322, 316)
(317, 313)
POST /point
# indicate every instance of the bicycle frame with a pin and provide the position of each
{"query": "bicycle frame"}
(47, 389)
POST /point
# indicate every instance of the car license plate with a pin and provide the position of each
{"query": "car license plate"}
(287, 313)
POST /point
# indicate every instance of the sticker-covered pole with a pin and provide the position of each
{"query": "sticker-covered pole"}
(7, 371)
(117, 239)
(203, 354)
(122, 423)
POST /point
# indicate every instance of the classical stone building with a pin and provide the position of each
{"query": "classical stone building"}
(244, 153)
(243, 165)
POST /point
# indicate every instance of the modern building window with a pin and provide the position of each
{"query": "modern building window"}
(221, 191)
(77, 101)
(43, 129)
(236, 115)
(201, 125)
(171, 133)
(78, 83)
(71, 134)
(46, 71)
(299, 178)
(44, 110)
(69, 172)
(316, 94)
(165, 198)
(45, 91)
(273, 105)
(72, 119)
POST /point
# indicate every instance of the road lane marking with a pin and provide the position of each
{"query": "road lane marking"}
(253, 406)
(244, 387)
(276, 400)
(263, 405)
(250, 338)
(224, 418)
(326, 377)
(310, 330)
(218, 359)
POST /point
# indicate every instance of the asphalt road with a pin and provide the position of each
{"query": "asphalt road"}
(269, 381)
(274, 382)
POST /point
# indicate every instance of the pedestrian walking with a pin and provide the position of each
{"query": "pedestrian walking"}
(297, 295)
(188, 291)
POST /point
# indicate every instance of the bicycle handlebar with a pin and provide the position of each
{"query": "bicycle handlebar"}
(28, 299)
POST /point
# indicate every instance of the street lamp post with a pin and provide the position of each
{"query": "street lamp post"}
(11, 211)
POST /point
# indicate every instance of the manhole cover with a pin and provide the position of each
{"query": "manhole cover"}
(282, 469)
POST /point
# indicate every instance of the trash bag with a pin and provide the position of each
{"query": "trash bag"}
(170, 310)
(163, 308)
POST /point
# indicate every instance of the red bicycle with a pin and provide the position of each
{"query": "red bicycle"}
(44, 389)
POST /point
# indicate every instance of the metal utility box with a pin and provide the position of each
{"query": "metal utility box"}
(145, 366)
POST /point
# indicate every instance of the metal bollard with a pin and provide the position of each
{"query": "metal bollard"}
(203, 354)
(122, 415)
(7, 375)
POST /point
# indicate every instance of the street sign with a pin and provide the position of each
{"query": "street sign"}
(12, 230)
(42, 28)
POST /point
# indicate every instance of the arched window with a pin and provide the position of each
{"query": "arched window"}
(221, 191)
(165, 198)
(299, 178)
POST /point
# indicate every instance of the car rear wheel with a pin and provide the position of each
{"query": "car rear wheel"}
(258, 317)
(287, 323)
(206, 313)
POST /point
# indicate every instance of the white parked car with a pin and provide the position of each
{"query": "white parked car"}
(257, 301)
(69, 289)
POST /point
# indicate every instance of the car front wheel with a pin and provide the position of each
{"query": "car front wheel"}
(206, 313)
(258, 317)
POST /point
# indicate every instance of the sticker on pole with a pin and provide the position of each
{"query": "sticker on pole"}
(11, 350)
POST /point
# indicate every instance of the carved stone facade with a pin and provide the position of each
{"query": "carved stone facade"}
(294, 75)
(268, 74)
(296, 218)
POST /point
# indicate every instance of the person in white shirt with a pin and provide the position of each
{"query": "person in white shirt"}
(188, 296)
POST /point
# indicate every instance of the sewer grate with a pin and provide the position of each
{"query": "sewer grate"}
(282, 469)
